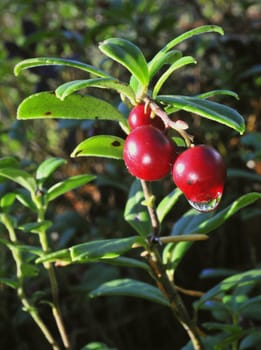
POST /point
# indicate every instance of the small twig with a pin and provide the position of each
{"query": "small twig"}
(180, 126)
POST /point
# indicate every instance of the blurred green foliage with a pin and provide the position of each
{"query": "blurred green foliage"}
(72, 29)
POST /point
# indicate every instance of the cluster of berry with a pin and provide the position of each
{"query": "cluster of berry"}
(149, 154)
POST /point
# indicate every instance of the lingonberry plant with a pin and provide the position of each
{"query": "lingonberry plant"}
(149, 154)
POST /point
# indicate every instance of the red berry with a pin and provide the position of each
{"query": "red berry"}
(139, 117)
(200, 173)
(148, 153)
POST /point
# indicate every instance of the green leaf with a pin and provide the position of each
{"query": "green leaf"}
(9, 162)
(167, 203)
(101, 249)
(21, 177)
(189, 34)
(203, 223)
(235, 281)
(176, 65)
(36, 227)
(218, 92)
(7, 201)
(130, 287)
(129, 55)
(251, 341)
(25, 199)
(243, 174)
(47, 105)
(104, 83)
(9, 282)
(68, 185)
(207, 109)
(92, 251)
(48, 61)
(135, 213)
(47, 167)
(97, 346)
(100, 146)
(168, 58)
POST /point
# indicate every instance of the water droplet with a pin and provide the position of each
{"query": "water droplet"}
(206, 206)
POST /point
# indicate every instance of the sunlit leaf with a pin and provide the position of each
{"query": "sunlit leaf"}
(21, 177)
(47, 167)
(97, 346)
(218, 92)
(129, 55)
(47, 105)
(100, 146)
(135, 213)
(130, 287)
(7, 200)
(176, 65)
(207, 109)
(104, 83)
(67, 185)
(169, 46)
(168, 58)
(48, 61)
(167, 203)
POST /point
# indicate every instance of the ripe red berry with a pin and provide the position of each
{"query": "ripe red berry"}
(140, 115)
(200, 173)
(148, 153)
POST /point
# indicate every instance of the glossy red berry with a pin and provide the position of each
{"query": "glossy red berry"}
(200, 173)
(140, 115)
(148, 153)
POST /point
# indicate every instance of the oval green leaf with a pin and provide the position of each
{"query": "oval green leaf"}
(48, 61)
(176, 65)
(21, 177)
(132, 288)
(68, 185)
(47, 105)
(207, 109)
(47, 167)
(167, 203)
(168, 58)
(104, 83)
(128, 55)
(100, 146)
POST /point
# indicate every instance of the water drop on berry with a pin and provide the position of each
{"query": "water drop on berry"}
(206, 206)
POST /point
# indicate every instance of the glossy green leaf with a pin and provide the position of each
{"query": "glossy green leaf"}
(218, 92)
(130, 287)
(235, 281)
(68, 185)
(7, 200)
(207, 109)
(25, 199)
(48, 61)
(21, 177)
(92, 251)
(168, 58)
(183, 61)
(135, 213)
(104, 83)
(102, 249)
(100, 146)
(179, 39)
(203, 223)
(47, 105)
(47, 167)
(129, 55)
(167, 203)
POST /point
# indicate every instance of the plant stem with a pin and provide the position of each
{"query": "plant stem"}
(20, 280)
(166, 286)
(52, 277)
